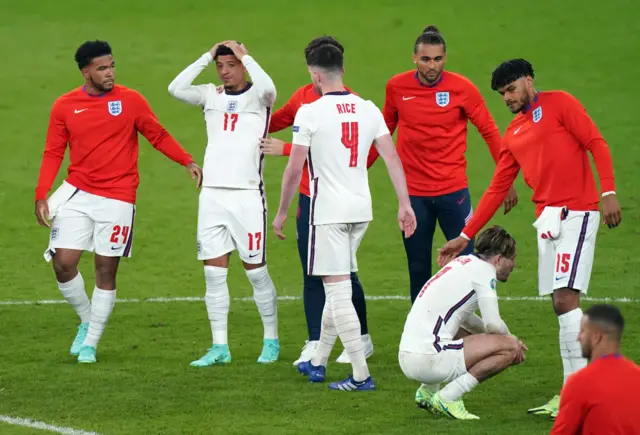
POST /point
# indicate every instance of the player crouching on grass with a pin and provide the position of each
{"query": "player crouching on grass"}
(445, 342)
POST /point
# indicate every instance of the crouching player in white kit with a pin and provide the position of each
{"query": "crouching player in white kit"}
(445, 342)
(335, 134)
(232, 210)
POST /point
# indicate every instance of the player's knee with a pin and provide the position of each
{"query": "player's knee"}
(106, 274)
(565, 300)
(65, 271)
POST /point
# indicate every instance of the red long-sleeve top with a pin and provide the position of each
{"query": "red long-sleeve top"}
(432, 129)
(102, 134)
(549, 142)
(284, 117)
(601, 399)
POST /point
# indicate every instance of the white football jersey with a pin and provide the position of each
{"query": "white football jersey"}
(339, 128)
(445, 301)
(235, 121)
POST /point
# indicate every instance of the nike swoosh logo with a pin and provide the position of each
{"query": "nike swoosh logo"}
(79, 111)
(407, 98)
(516, 132)
(558, 278)
(115, 248)
(254, 255)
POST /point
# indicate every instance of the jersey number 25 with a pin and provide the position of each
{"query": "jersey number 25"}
(350, 141)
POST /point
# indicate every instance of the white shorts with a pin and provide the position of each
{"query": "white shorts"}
(444, 366)
(333, 247)
(567, 259)
(88, 222)
(229, 220)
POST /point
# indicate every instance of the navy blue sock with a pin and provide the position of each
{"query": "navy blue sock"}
(359, 302)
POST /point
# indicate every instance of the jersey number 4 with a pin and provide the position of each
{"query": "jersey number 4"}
(231, 126)
(350, 141)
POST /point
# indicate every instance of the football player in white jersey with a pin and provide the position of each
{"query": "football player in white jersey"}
(232, 211)
(335, 134)
(444, 341)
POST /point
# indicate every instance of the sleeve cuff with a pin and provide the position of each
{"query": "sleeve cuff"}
(246, 59)
(208, 57)
(610, 192)
(464, 236)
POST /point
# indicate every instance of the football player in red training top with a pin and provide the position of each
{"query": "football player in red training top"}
(603, 397)
(431, 109)
(549, 139)
(93, 209)
(313, 296)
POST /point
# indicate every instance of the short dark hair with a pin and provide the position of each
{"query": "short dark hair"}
(319, 41)
(495, 241)
(607, 318)
(90, 50)
(509, 71)
(326, 56)
(223, 50)
(430, 36)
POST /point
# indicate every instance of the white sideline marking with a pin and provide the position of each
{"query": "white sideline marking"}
(297, 298)
(27, 422)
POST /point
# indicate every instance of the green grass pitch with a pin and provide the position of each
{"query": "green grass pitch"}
(143, 383)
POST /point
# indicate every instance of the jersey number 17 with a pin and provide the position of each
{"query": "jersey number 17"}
(350, 141)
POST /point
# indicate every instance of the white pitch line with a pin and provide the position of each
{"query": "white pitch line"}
(27, 422)
(297, 298)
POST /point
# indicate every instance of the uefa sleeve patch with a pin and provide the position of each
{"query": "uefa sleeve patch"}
(296, 128)
(492, 284)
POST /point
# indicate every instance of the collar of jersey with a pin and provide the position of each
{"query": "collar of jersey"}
(429, 86)
(526, 108)
(242, 91)
(84, 89)
(338, 93)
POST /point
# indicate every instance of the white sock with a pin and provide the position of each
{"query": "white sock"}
(570, 349)
(217, 301)
(264, 294)
(347, 324)
(328, 336)
(102, 303)
(431, 387)
(74, 293)
(456, 388)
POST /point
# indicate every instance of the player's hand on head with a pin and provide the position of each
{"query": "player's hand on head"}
(407, 220)
(511, 200)
(278, 225)
(272, 146)
(196, 173)
(451, 249)
(42, 212)
(215, 48)
(239, 50)
(611, 211)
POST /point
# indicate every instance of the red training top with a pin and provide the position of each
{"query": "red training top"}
(549, 141)
(284, 117)
(432, 129)
(601, 399)
(102, 133)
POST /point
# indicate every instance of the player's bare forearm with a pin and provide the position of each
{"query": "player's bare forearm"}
(386, 149)
(292, 176)
(290, 182)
